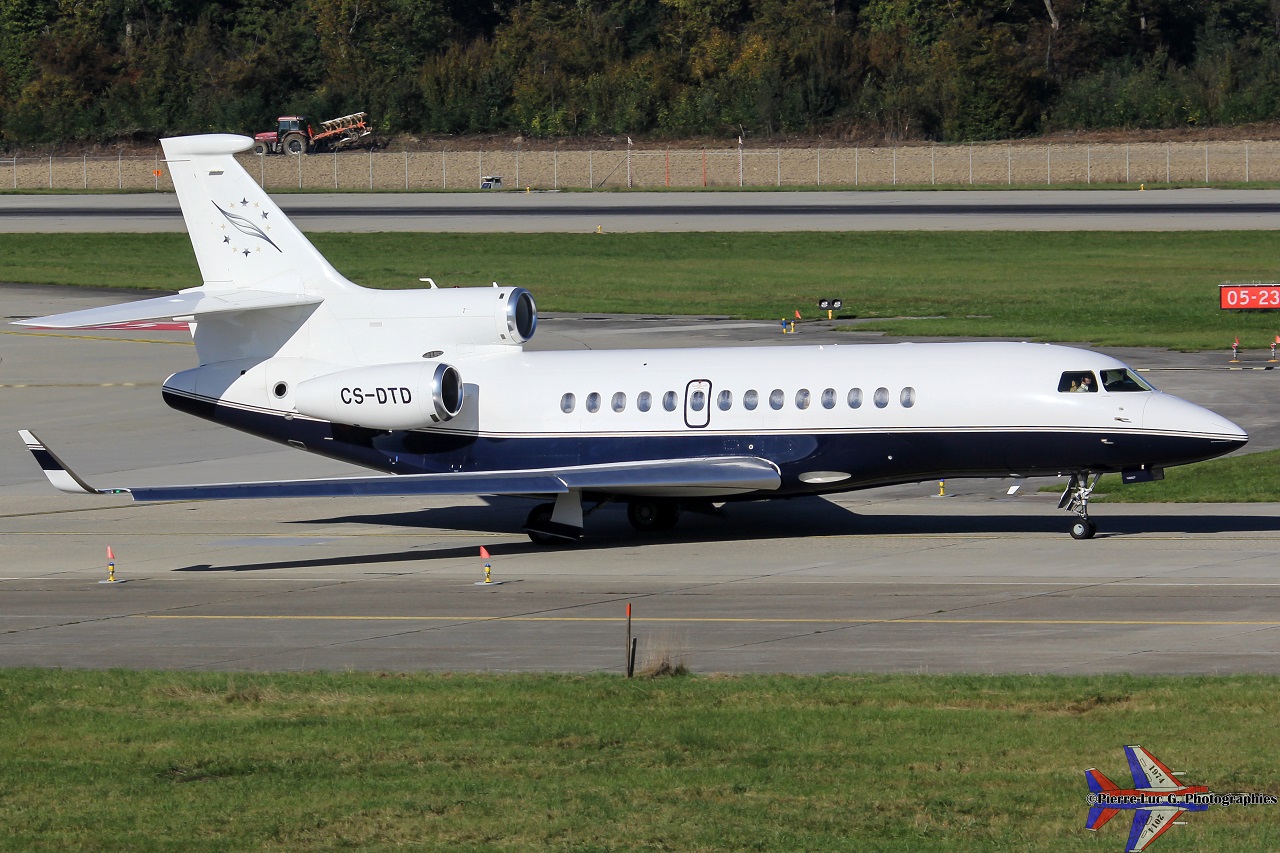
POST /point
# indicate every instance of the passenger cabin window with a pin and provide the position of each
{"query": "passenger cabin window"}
(619, 402)
(908, 397)
(829, 398)
(725, 400)
(750, 400)
(697, 400)
(593, 402)
(644, 401)
(881, 397)
(1078, 380)
(567, 403)
(855, 398)
(1123, 380)
(776, 398)
(669, 401)
(802, 398)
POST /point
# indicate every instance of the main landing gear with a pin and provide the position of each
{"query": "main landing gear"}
(560, 523)
(1076, 499)
(651, 514)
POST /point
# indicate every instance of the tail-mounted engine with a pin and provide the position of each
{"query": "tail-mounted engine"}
(386, 396)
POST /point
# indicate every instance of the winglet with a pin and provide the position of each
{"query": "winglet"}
(60, 476)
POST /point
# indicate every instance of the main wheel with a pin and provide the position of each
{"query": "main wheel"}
(1083, 529)
(539, 516)
(652, 515)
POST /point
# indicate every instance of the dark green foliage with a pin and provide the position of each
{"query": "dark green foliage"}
(902, 69)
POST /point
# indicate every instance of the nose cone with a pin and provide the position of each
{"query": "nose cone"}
(1204, 433)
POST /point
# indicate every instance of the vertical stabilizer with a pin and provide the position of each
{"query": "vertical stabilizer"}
(241, 238)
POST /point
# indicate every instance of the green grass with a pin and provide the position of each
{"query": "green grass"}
(1246, 478)
(146, 760)
(1110, 289)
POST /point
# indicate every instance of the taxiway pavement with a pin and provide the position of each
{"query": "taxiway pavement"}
(945, 210)
(889, 580)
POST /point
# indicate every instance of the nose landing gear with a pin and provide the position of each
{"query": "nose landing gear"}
(1076, 499)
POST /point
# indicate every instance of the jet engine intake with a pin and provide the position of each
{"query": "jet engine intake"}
(385, 396)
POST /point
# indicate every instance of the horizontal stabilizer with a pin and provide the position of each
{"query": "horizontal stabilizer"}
(1098, 817)
(188, 303)
(722, 475)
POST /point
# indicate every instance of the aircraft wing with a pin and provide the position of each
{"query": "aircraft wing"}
(188, 303)
(1150, 824)
(673, 477)
(1148, 772)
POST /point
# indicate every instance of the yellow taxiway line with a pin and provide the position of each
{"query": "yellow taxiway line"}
(908, 620)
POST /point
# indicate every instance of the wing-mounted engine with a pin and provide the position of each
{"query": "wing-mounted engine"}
(385, 396)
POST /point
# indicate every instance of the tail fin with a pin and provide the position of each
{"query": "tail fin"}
(241, 238)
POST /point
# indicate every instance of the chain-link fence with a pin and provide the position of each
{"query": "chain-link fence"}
(950, 165)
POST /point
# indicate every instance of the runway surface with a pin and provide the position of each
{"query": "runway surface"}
(889, 580)
(978, 210)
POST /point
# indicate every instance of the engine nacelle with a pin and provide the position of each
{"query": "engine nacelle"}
(384, 396)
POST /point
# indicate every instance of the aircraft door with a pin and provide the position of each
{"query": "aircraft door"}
(697, 403)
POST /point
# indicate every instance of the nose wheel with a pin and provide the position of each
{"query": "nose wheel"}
(1083, 529)
(1076, 499)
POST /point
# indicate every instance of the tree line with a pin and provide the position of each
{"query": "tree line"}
(943, 70)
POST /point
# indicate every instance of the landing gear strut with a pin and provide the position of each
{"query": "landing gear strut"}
(1076, 499)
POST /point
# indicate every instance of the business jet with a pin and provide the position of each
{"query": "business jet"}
(432, 388)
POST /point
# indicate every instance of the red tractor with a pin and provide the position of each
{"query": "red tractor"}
(295, 136)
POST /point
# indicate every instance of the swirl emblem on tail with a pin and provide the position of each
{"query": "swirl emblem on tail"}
(245, 226)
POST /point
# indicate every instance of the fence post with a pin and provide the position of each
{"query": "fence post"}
(119, 170)
(591, 169)
(406, 170)
(50, 171)
(667, 176)
(1008, 164)
(970, 164)
(819, 166)
(895, 165)
(1088, 161)
(704, 165)
(517, 168)
(555, 166)
(84, 169)
(299, 156)
(1126, 162)
(855, 165)
(1048, 165)
(1166, 164)
(155, 173)
(480, 168)
(335, 169)
(739, 161)
(779, 167)
(1206, 162)
(1246, 162)
(370, 168)
(933, 149)
(444, 173)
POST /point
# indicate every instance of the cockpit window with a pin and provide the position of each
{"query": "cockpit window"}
(1123, 380)
(1078, 380)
